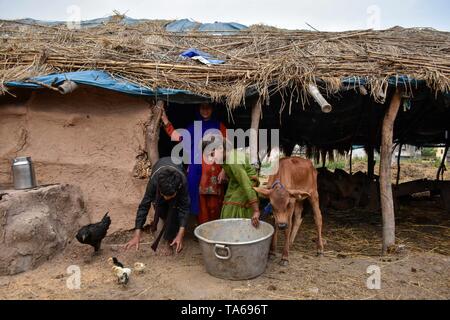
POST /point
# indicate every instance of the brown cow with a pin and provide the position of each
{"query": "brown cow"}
(295, 181)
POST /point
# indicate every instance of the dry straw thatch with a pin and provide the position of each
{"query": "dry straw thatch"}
(262, 58)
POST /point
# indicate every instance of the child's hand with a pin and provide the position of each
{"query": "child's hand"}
(255, 219)
(222, 177)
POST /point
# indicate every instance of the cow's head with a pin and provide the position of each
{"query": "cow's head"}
(283, 202)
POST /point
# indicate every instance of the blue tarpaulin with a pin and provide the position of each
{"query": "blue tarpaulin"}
(182, 25)
(103, 79)
(85, 23)
(394, 81)
(95, 78)
(185, 25)
(191, 53)
(219, 27)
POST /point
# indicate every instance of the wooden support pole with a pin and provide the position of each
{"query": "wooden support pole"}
(442, 166)
(370, 162)
(398, 163)
(386, 197)
(153, 124)
(351, 159)
(372, 133)
(256, 116)
(324, 158)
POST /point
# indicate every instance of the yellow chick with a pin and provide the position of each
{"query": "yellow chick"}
(139, 267)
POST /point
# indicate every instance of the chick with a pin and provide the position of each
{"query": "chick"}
(115, 262)
(139, 267)
(122, 274)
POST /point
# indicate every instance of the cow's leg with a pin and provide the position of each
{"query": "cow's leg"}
(297, 221)
(273, 245)
(314, 200)
(285, 257)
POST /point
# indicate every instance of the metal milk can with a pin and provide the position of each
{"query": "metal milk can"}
(23, 173)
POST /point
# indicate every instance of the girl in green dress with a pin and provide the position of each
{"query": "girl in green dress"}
(241, 200)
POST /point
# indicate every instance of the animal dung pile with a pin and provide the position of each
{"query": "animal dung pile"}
(36, 224)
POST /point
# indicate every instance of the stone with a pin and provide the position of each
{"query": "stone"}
(36, 224)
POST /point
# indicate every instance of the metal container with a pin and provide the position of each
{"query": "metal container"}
(23, 173)
(233, 249)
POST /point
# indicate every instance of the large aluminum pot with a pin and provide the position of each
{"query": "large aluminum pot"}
(23, 173)
(233, 249)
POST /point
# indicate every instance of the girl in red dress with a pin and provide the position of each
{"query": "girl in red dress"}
(205, 180)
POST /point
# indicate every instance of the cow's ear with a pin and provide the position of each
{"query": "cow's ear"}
(298, 194)
(263, 191)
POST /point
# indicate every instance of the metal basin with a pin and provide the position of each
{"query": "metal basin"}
(233, 249)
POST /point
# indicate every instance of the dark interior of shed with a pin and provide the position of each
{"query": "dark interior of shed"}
(356, 120)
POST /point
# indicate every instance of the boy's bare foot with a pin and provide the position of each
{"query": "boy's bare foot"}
(164, 249)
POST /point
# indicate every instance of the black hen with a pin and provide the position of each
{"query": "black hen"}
(94, 233)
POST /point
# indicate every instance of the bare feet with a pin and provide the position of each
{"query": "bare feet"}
(164, 249)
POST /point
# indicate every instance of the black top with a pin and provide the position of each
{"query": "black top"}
(182, 201)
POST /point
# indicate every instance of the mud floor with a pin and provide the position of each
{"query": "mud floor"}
(420, 270)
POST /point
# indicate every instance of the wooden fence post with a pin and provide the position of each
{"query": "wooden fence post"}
(386, 197)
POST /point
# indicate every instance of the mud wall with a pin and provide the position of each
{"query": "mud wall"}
(89, 138)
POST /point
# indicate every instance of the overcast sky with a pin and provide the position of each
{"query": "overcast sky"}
(324, 15)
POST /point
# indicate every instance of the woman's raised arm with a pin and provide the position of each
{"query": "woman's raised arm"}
(168, 127)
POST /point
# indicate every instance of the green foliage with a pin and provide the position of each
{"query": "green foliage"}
(334, 165)
(429, 152)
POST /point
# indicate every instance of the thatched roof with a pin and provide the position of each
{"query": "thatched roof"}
(261, 58)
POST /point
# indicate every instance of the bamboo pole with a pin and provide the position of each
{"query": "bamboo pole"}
(386, 196)
(323, 103)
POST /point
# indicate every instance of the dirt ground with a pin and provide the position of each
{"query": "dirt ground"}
(409, 170)
(420, 270)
